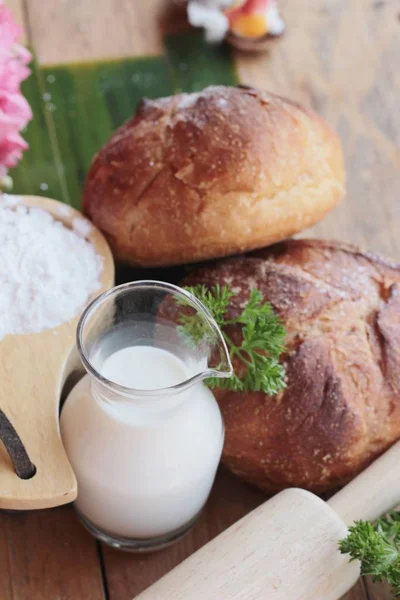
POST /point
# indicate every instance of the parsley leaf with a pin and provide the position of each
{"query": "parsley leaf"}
(377, 546)
(262, 342)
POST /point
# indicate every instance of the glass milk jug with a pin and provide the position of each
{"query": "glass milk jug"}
(142, 431)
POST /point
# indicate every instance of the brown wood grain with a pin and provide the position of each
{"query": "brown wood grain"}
(47, 555)
(358, 592)
(341, 58)
(78, 30)
(377, 591)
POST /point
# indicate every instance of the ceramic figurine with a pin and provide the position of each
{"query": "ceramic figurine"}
(246, 24)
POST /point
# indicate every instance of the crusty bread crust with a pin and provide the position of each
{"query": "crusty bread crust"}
(341, 408)
(199, 176)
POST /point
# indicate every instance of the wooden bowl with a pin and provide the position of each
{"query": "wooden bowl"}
(33, 369)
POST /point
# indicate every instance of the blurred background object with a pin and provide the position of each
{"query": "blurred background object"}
(246, 24)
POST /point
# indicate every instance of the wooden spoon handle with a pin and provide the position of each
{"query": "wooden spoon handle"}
(24, 467)
(372, 493)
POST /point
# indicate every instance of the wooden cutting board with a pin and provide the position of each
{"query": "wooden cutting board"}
(33, 370)
(339, 56)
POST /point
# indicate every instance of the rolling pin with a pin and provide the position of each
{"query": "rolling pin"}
(287, 548)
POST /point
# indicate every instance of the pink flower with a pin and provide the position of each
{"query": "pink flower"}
(15, 111)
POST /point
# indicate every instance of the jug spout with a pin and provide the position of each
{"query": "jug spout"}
(137, 319)
(200, 332)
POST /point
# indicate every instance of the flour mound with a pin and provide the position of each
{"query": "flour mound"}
(47, 271)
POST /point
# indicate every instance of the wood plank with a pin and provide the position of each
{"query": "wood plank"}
(48, 555)
(378, 591)
(301, 67)
(358, 592)
(341, 58)
(64, 32)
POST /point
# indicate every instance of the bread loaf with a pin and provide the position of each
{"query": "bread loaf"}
(205, 175)
(341, 408)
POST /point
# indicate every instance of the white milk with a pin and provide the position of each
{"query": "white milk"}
(144, 465)
(144, 368)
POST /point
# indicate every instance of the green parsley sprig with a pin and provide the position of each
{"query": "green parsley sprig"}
(377, 547)
(262, 342)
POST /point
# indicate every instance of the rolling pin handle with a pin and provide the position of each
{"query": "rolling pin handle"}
(373, 492)
(24, 467)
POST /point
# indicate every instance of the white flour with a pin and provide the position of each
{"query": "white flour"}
(47, 271)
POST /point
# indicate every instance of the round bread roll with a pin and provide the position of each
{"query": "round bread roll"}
(205, 175)
(341, 407)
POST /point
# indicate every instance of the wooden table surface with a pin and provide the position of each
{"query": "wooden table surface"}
(341, 57)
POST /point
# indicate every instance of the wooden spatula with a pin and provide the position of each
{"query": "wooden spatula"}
(33, 369)
(287, 549)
